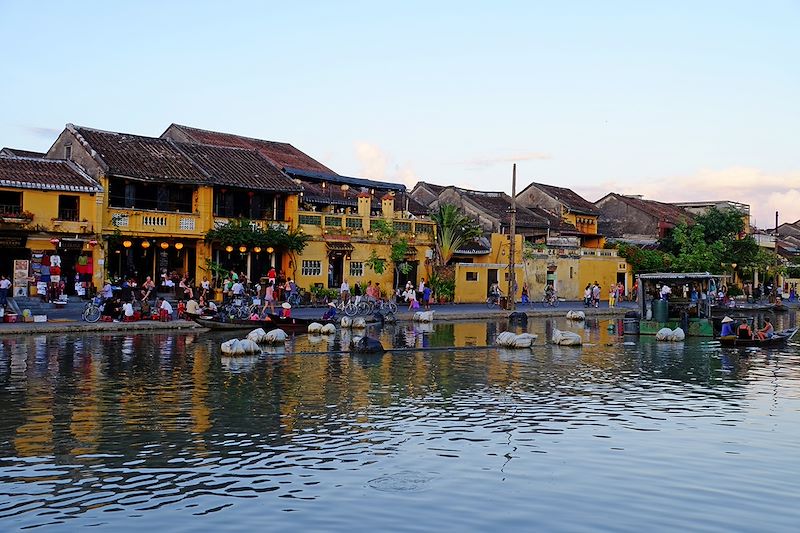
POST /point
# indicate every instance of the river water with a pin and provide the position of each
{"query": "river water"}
(127, 432)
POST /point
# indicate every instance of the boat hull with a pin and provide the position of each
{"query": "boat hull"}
(779, 339)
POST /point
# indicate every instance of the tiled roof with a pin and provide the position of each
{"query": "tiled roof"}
(236, 167)
(144, 158)
(662, 211)
(573, 201)
(45, 174)
(283, 155)
(14, 152)
(499, 204)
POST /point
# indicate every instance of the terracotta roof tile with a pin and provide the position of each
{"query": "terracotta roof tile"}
(283, 155)
(144, 158)
(15, 152)
(45, 174)
(662, 211)
(573, 201)
(237, 167)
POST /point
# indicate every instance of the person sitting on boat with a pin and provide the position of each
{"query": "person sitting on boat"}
(744, 331)
(286, 310)
(192, 308)
(330, 314)
(727, 327)
(767, 331)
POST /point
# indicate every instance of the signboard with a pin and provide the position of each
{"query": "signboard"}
(13, 241)
(71, 244)
(21, 277)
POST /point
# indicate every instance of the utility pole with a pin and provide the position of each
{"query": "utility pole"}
(512, 304)
(774, 296)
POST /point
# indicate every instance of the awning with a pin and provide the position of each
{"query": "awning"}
(411, 251)
(339, 246)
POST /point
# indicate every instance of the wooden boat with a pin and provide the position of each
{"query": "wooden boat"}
(778, 339)
(289, 325)
(292, 324)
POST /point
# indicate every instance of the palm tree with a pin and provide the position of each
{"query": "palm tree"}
(454, 229)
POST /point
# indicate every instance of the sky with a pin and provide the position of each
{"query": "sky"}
(676, 101)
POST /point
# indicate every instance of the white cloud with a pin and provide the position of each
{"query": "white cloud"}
(378, 165)
(764, 192)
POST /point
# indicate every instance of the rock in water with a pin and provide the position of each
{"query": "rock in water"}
(366, 345)
(566, 338)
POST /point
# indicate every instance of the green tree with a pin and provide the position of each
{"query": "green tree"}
(453, 230)
(242, 232)
(695, 254)
(642, 260)
(386, 233)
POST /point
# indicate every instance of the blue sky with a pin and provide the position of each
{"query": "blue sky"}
(672, 100)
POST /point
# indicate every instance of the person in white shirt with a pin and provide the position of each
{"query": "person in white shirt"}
(165, 310)
(665, 292)
(238, 288)
(345, 291)
(5, 284)
(107, 292)
(127, 310)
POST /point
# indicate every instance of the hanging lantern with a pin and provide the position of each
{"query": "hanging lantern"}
(257, 249)
(127, 243)
(229, 248)
(164, 245)
(178, 245)
(93, 243)
(270, 250)
(242, 249)
(54, 241)
(145, 244)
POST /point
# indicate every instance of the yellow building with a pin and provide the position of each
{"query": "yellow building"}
(487, 266)
(48, 217)
(569, 270)
(573, 208)
(338, 213)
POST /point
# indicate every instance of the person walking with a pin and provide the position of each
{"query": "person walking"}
(596, 294)
(344, 291)
(587, 295)
(612, 296)
(5, 284)
(269, 298)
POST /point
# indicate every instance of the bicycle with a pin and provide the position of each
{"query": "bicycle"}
(348, 308)
(385, 307)
(493, 301)
(91, 311)
(237, 309)
(550, 299)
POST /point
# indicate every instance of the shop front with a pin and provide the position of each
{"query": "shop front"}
(136, 258)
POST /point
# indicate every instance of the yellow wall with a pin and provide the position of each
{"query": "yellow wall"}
(573, 271)
(476, 289)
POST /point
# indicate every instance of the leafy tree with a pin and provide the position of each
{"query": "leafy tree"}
(453, 230)
(642, 260)
(242, 232)
(696, 255)
(397, 254)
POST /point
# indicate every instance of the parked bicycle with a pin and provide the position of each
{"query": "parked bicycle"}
(92, 310)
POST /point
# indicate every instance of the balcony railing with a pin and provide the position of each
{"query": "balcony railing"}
(68, 214)
(14, 209)
(150, 222)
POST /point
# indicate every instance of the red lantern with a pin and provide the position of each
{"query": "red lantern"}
(93, 243)
(54, 241)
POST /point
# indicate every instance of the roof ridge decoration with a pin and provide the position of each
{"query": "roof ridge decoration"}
(74, 130)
